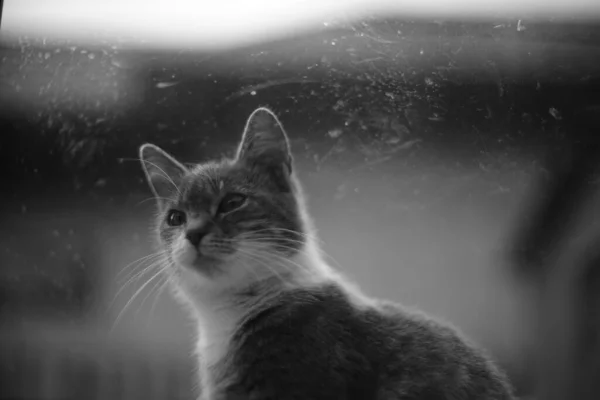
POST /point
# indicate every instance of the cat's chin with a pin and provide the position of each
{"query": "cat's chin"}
(192, 259)
(206, 263)
(203, 263)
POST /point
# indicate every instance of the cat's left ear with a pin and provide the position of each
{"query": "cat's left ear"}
(265, 141)
(163, 172)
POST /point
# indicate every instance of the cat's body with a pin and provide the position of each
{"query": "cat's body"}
(316, 343)
(274, 320)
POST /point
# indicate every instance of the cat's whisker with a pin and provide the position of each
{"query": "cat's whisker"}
(153, 263)
(131, 268)
(136, 263)
(159, 288)
(273, 239)
(277, 242)
(278, 238)
(153, 289)
(120, 315)
(253, 254)
(298, 233)
(159, 293)
(130, 282)
(134, 278)
(264, 262)
(292, 263)
(288, 240)
(241, 261)
(271, 258)
(155, 198)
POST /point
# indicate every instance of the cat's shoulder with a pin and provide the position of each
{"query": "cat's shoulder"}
(330, 308)
(366, 351)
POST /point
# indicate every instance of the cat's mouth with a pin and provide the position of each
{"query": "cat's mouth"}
(196, 259)
(203, 260)
(208, 257)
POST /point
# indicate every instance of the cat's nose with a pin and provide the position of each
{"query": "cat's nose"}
(195, 236)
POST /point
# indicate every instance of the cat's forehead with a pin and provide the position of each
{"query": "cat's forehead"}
(203, 181)
(207, 182)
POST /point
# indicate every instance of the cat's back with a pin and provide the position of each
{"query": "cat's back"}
(322, 345)
(426, 359)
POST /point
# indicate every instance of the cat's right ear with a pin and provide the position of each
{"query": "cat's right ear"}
(163, 172)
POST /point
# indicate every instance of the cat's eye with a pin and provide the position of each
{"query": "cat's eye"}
(231, 202)
(176, 218)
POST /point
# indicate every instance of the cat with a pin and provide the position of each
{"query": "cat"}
(274, 320)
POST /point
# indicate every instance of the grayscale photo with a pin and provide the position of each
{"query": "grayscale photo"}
(300, 200)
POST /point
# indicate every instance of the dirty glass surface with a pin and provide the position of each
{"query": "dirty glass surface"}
(417, 141)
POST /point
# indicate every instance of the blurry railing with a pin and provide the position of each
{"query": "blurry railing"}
(75, 367)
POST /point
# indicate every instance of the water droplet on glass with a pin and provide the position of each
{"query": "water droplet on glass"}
(163, 85)
(555, 113)
(335, 133)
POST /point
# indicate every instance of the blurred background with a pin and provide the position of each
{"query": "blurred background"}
(418, 139)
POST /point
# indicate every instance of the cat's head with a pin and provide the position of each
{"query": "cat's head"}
(231, 220)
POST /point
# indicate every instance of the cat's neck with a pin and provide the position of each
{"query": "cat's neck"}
(219, 313)
(306, 268)
(224, 310)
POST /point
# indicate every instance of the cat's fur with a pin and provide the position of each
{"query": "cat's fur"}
(275, 322)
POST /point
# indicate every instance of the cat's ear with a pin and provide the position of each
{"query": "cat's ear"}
(264, 140)
(163, 172)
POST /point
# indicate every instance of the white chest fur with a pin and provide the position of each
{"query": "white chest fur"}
(215, 330)
(218, 314)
